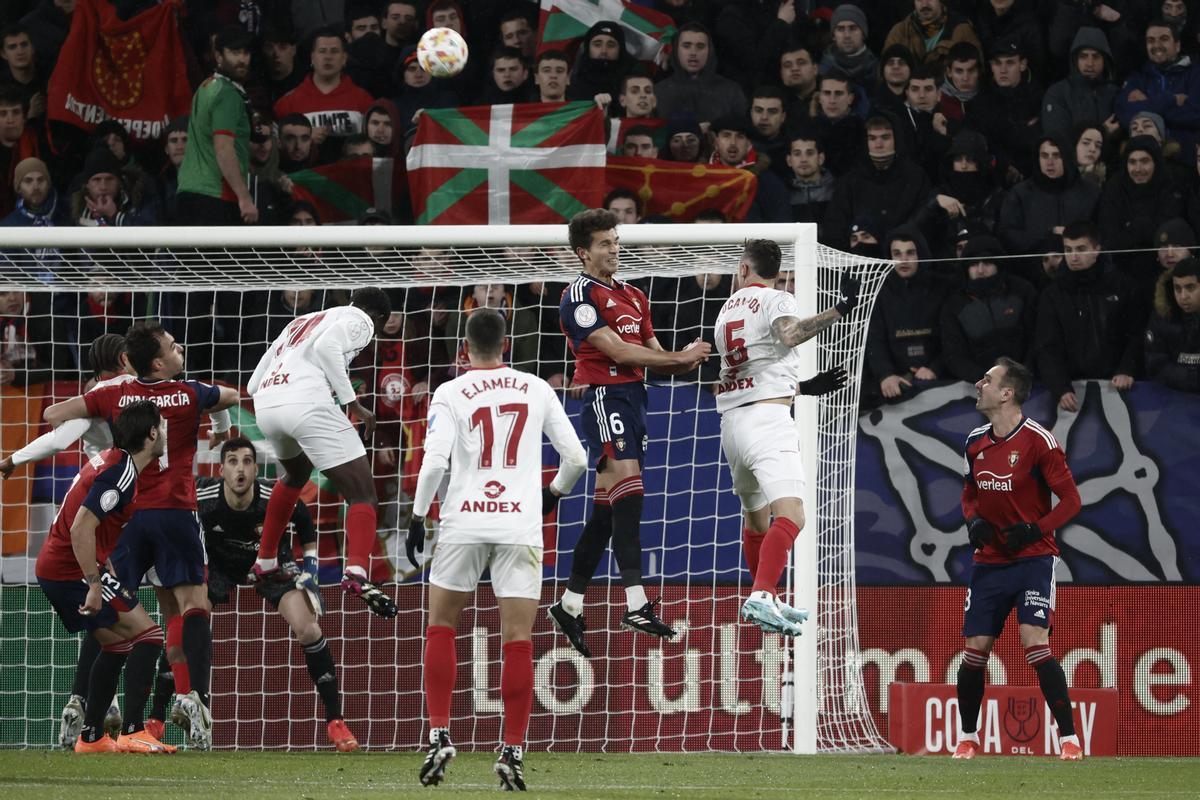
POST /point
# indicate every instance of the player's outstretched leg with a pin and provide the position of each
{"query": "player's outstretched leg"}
(510, 767)
(971, 675)
(72, 713)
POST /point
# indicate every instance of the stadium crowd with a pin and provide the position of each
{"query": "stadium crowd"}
(1032, 168)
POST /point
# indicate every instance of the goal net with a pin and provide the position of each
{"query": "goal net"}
(226, 293)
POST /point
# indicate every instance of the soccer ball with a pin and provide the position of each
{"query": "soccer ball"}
(442, 52)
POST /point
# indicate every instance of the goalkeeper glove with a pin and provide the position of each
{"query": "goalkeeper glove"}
(849, 291)
(307, 582)
(1021, 535)
(980, 532)
(825, 382)
(416, 539)
(549, 501)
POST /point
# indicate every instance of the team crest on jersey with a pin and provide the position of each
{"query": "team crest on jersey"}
(493, 489)
(1013, 457)
(620, 443)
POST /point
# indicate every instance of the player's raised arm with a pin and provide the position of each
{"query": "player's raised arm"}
(791, 331)
(75, 408)
(46, 445)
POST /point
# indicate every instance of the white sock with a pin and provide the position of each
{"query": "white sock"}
(1073, 739)
(359, 571)
(267, 564)
(635, 597)
(572, 603)
(969, 737)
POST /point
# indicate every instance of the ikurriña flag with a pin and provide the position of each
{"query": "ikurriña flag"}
(681, 190)
(529, 163)
(132, 71)
(343, 190)
(648, 33)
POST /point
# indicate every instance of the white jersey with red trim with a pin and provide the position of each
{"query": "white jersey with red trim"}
(309, 362)
(488, 425)
(754, 364)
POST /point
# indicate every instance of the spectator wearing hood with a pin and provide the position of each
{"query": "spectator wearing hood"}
(1090, 321)
(141, 186)
(993, 315)
(848, 51)
(731, 148)
(1180, 166)
(930, 31)
(1167, 84)
(382, 126)
(601, 65)
(419, 91)
(1120, 24)
(1042, 205)
(694, 87)
(1175, 241)
(926, 125)
(896, 66)
(1136, 199)
(966, 195)
(508, 81)
(904, 342)
(888, 185)
(101, 199)
(1087, 94)
(1008, 110)
(1013, 21)
(1172, 341)
(811, 184)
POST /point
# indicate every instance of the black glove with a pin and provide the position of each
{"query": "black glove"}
(416, 540)
(1021, 535)
(825, 382)
(980, 532)
(549, 501)
(849, 288)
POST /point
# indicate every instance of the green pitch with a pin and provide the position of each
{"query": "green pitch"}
(40, 775)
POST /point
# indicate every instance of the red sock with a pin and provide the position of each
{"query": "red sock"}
(516, 689)
(183, 678)
(773, 555)
(279, 514)
(751, 544)
(360, 535)
(441, 664)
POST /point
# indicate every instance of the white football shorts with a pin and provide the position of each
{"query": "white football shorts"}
(762, 446)
(516, 568)
(322, 432)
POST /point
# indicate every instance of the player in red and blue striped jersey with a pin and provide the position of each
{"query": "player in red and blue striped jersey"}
(1012, 465)
(87, 597)
(607, 323)
(164, 531)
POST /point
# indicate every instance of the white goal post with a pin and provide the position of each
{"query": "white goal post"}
(828, 709)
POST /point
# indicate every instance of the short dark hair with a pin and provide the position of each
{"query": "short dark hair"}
(105, 353)
(131, 428)
(770, 91)
(1082, 229)
(807, 135)
(328, 32)
(795, 47)
(373, 300)
(764, 257)
(925, 72)
(504, 51)
(711, 215)
(143, 343)
(295, 118)
(839, 76)
(1188, 267)
(1017, 377)
(13, 95)
(356, 139)
(513, 16)
(622, 193)
(238, 443)
(553, 55)
(639, 130)
(16, 29)
(877, 121)
(636, 72)
(1159, 22)
(357, 11)
(585, 223)
(485, 331)
(963, 51)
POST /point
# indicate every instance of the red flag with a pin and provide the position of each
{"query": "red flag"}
(132, 71)
(343, 190)
(681, 190)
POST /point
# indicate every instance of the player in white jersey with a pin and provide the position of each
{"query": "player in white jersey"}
(106, 357)
(302, 391)
(486, 427)
(756, 332)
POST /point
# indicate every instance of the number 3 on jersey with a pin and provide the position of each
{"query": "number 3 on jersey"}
(482, 418)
